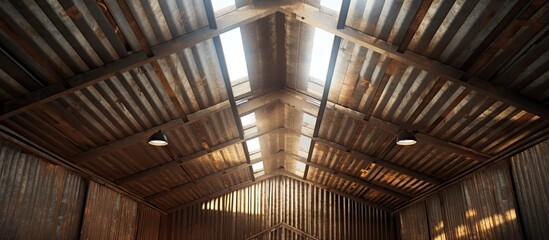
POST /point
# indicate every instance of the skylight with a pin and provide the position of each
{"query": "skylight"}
(248, 120)
(253, 145)
(304, 143)
(233, 49)
(257, 166)
(220, 4)
(300, 168)
(331, 4)
(322, 46)
(309, 120)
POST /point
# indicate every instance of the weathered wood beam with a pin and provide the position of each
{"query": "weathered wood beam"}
(388, 126)
(210, 14)
(373, 185)
(343, 12)
(173, 163)
(208, 178)
(221, 192)
(312, 16)
(229, 21)
(381, 162)
(327, 84)
(251, 105)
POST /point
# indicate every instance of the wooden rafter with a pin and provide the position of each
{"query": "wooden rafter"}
(210, 177)
(373, 185)
(260, 9)
(298, 103)
(95, 153)
(173, 163)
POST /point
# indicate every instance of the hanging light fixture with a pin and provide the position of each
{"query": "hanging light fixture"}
(158, 139)
(405, 138)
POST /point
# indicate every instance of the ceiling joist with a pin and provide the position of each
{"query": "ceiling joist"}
(373, 185)
(191, 157)
(210, 177)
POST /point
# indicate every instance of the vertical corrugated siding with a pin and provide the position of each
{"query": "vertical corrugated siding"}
(108, 215)
(530, 170)
(148, 223)
(414, 224)
(480, 207)
(245, 212)
(38, 200)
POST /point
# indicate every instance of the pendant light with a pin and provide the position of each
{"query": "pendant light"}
(405, 138)
(158, 139)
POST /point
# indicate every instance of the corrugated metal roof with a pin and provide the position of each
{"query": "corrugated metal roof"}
(469, 77)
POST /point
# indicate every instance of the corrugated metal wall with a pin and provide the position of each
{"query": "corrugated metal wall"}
(530, 169)
(108, 215)
(243, 213)
(148, 223)
(38, 200)
(480, 207)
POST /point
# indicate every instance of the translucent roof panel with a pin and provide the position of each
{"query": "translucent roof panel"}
(253, 145)
(234, 55)
(331, 4)
(322, 46)
(248, 120)
(257, 166)
(221, 4)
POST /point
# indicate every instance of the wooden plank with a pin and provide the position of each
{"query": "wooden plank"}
(375, 186)
(312, 16)
(414, 25)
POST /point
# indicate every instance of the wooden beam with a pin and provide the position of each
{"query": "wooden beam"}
(173, 163)
(229, 21)
(210, 14)
(312, 16)
(195, 182)
(398, 168)
(381, 162)
(221, 192)
(388, 126)
(297, 231)
(251, 105)
(210, 177)
(373, 185)
(144, 135)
